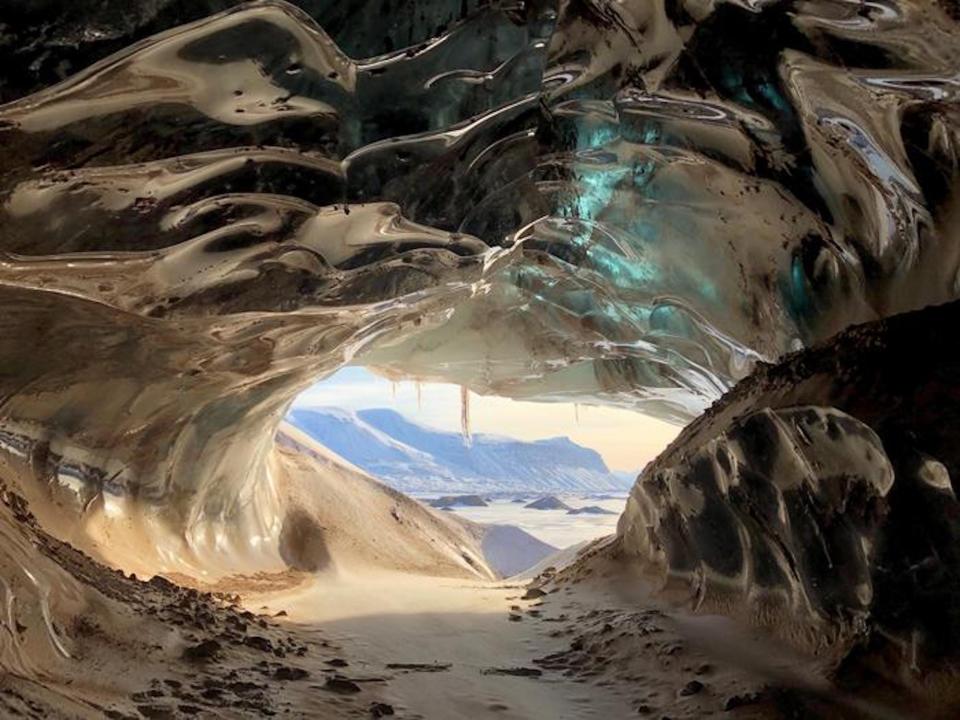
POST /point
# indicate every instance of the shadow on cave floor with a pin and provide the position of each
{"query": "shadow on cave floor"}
(448, 648)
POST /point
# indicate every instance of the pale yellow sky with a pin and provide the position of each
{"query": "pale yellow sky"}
(626, 440)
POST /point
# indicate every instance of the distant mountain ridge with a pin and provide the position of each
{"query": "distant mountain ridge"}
(416, 458)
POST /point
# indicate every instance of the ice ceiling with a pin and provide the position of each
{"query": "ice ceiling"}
(614, 202)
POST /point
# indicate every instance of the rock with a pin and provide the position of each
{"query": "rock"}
(161, 583)
(692, 688)
(203, 651)
(590, 510)
(451, 501)
(420, 667)
(514, 671)
(341, 685)
(302, 542)
(533, 594)
(258, 642)
(547, 502)
(242, 687)
(156, 712)
(735, 701)
(379, 710)
(291, 673)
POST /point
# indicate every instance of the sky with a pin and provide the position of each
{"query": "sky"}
(626, 440)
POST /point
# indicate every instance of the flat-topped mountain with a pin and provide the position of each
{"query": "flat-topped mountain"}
(458, 501)
(415, 458)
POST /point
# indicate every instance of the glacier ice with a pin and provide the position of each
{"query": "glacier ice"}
(207, 206)
(818, 497)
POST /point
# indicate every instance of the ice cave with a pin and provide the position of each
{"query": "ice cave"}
(739, 217)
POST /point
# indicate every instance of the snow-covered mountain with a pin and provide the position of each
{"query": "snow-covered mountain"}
(416, 458)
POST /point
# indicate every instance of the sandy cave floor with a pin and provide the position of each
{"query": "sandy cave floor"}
(454, 648)
(399, 645)
(368, 645)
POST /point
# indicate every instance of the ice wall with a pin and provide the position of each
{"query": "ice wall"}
(819, 498)
(615, 202)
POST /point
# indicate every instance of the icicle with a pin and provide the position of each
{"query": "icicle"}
(465, 415)
(393, 389)
(576, 413)
(419, 396)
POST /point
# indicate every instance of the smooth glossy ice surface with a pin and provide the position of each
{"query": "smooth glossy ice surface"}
(611, 202)
(628, 203)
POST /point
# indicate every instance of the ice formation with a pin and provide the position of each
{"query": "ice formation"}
(821, 492)
(543, 201)
(207, 206)
(772, 508)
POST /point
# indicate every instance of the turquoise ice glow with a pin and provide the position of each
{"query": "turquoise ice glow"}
(622, 271)
(596, 136)
(798, 299)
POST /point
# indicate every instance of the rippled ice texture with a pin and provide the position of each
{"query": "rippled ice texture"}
(206, 206)
(619, 202)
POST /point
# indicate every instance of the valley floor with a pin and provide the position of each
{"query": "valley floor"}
(448, 648)
(451, 648)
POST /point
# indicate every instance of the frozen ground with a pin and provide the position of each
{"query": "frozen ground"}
(555, 527)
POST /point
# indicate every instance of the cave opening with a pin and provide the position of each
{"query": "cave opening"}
(560, 471)
(506, 236)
